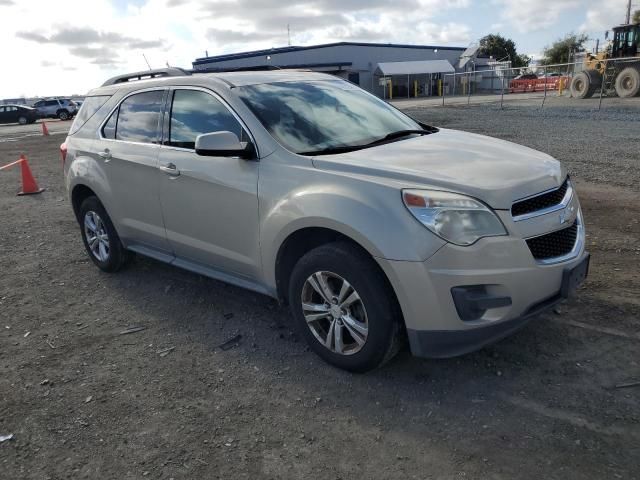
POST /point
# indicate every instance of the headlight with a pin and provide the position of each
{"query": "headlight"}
(455, 218)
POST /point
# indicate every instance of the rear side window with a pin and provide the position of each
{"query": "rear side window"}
(138, 118)
(90, 106)
(193, 113)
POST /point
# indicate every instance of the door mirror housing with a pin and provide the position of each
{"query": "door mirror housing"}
(223, 144)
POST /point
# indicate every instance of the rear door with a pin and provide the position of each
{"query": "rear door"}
(3, 115)
(210, 204)
(12, 114)
(128, 153)
(51, 108)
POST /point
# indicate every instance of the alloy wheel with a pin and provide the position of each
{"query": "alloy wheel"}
(335, 313)
(96, 236)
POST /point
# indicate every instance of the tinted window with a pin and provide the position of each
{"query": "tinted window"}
(194, 112)
(138, 117)
(88, 108)
(51, 103)
(109, 129)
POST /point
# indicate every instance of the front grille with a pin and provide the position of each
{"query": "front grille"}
(555, 244)
(540, 202)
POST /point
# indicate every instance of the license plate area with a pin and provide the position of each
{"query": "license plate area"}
(573, 277)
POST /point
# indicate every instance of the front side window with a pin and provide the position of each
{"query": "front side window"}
(193, 113)
(314, 116)
(137, 118)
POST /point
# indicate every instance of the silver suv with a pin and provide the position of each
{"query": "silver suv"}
(61, 108)
(373, 227)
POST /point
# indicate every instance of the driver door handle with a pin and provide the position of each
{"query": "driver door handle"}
(170, 169)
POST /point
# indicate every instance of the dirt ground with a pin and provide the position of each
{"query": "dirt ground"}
(84, 401)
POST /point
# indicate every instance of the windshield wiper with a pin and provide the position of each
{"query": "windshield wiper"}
(334, 150)
(351, 148)
(398, 134)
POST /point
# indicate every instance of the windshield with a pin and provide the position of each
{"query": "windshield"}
(309, 117)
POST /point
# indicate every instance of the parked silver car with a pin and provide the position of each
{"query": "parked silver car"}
(61, 108)
(371, 226)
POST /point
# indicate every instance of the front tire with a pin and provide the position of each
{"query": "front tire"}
(22, 120)
(63, 115)
(345, 309)
(100, 237)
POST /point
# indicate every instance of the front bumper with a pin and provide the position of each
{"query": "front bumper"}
(451, 343)
(504, 267)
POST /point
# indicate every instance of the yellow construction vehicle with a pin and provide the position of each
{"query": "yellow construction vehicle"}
(617, 67)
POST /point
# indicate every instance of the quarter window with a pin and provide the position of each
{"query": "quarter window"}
(88, 108)
(193, 113)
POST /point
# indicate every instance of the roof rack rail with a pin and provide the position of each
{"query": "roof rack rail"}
(147, 74)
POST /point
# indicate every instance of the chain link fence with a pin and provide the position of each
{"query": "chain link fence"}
(561, 84)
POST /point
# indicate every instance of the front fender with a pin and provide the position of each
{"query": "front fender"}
(371, 214)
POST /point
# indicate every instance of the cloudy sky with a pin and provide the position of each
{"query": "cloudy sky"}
(64, 47)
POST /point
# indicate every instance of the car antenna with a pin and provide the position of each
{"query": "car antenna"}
(145, 59)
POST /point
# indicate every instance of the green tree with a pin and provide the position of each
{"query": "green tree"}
(636, 17)
(559, 50)
(502, 48)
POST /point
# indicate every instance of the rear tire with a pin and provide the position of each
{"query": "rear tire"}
(365, 312)
(100, 237)
(584, 84)
(628, 82)
(22, 120)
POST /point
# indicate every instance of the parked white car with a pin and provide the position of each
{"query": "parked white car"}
(61, 108)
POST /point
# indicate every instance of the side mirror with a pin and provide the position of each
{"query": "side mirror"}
(223, 144)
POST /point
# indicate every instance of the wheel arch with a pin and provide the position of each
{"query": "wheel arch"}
(305, 239)
(79, 194)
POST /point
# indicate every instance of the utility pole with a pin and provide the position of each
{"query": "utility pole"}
(628, 12)
(289, 34)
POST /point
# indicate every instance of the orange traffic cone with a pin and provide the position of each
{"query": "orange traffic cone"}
(45, 130)
(29, 185)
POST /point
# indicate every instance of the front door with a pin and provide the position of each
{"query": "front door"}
(128, 154)
(210, 204)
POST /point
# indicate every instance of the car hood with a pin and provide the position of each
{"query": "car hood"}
(494, 171)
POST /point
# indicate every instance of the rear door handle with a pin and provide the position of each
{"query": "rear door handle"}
(170, 169)
(105, 155)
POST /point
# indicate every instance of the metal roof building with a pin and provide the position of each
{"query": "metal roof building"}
(383, 69)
